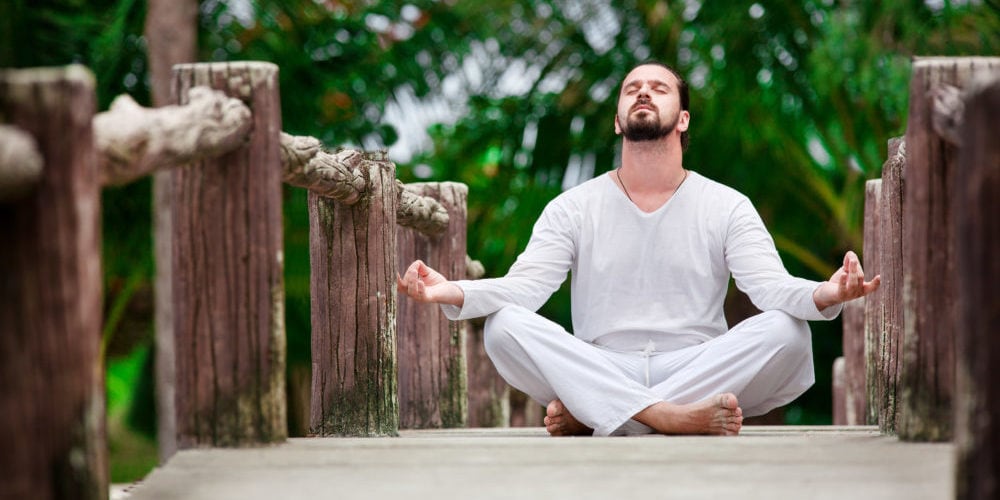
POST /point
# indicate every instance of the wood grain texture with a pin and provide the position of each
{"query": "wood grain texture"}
(928, 364)
(855, 390)
(51, 375)
(352, 252)
(888, 349)
(874, 302)
(489, 394)
(171, 38)
(432, 368)
(839, 391)
(976, 219)
(228, 288)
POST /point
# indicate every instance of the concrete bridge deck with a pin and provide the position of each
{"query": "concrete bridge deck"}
(762, 463)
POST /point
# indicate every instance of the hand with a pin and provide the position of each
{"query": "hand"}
(848, 283)
(424, 284)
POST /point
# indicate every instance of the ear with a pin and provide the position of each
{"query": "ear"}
(618, 127)
(683, 121)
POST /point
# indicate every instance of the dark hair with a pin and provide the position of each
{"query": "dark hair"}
(682, 91)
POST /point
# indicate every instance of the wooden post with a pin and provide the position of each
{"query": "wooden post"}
(839, 392)
(885, 354)
(524, 411)
(977, 230)
(228, 288)
(489, 394)
(928, 369)
(431, 349)
(51, 374)
(874, 302)
(171, 37)
(855, 391)
(353, 288)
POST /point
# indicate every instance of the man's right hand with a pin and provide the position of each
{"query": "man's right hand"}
(424, 284)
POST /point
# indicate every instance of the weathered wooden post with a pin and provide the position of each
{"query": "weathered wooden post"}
(839, 391)
(431, 349)
(928, 369)
(489, 394)
(353, 287)
(874, 302)
(885, 350)
(228, 288)
(51, 374)
(977, 230)
(171, 33)
(855, 391)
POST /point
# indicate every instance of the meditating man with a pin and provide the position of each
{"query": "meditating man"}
(651, 247)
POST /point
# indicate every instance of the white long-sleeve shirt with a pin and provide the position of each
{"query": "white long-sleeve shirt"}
(662, 274)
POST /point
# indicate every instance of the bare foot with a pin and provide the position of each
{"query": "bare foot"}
(719, 414)
(560, 422)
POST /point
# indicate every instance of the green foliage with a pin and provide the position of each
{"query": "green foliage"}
(792, 103)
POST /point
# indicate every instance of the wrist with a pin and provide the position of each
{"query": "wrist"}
(821, 297)
(455, 295)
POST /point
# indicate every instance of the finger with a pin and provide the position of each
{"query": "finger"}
(855, 279)
(873, 285)
(400, 284)
(411, 272)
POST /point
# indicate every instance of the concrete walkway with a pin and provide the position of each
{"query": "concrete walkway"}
(763, 463)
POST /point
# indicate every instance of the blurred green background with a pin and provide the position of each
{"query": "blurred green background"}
(792, 103)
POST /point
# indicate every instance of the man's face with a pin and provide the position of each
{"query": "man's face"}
(649, 105)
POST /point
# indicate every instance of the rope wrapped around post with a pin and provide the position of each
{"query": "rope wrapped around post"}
(334, 175)
(20, 163)
(337, 175)
(133, 141)
(420, 213)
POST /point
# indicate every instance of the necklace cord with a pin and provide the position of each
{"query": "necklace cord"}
(618, 173)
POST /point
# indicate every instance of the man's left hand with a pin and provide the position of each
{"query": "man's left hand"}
(848, 283)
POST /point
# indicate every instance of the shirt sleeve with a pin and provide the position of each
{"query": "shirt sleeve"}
(758, 271)
(535, 275)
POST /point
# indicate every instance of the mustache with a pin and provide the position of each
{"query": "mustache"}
(645, 103)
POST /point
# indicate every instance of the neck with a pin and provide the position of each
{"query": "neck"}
(652, 166)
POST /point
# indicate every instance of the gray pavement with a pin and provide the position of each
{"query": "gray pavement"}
(761, 463)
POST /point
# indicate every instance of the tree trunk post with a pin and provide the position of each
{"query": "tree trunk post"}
(171, 36)
(432, 370)
(840, 391)
(928, 368)
(228, 287)
(489, 394)
(855, 391)
(353, 289)
(52, 416)
(977, 231)
(888, 349)
(875, 301)
(524, 411)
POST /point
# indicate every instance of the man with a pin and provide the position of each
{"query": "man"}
(652, 246)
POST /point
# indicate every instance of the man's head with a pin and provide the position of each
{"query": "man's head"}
(652, 104)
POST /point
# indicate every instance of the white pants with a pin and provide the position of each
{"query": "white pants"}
(766, 361)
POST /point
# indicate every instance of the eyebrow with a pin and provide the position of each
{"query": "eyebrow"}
(652, 83)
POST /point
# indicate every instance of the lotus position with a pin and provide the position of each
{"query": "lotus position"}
(651, 246)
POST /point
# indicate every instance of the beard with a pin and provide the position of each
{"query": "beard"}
(647, 129)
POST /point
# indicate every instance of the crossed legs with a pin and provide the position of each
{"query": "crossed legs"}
(696, 390)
